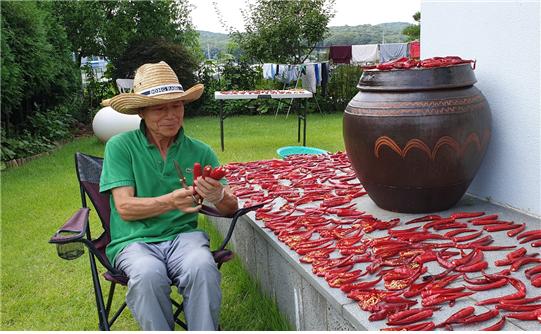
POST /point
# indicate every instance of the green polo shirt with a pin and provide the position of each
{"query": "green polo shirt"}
(131, 160)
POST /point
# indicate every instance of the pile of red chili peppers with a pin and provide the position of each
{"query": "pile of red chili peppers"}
(382, 264)
(406, 63)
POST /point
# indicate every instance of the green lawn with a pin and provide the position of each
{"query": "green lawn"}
(39, 291)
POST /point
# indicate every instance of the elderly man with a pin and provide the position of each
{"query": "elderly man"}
(154, 235)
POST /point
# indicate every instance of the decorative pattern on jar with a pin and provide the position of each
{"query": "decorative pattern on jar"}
(417, 137)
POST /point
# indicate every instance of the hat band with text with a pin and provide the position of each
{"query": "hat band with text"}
(163, 89)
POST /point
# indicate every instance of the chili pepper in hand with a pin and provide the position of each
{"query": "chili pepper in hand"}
(218, 173)
(206, 171)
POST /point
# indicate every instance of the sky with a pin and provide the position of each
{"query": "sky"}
(347, 12)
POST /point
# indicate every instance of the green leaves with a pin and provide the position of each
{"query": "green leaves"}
(283, 31)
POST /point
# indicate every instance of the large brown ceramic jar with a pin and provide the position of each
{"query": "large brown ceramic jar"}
(416, 138)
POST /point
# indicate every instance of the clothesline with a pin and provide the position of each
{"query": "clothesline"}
(373, 53)
(311, 74)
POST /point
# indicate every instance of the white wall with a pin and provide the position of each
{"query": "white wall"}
(504, 37)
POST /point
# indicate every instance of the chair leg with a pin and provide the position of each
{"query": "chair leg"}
(110, 299)
(102, 313)
(180, 308)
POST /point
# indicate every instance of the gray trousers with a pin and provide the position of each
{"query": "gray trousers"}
(185, 262)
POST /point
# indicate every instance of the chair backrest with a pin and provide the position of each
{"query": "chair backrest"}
(124, 85)
(88, 173)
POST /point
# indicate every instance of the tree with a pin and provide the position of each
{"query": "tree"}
(153, 50)
(413, 32)
(108, 28)
(37, 69)
(283, 31)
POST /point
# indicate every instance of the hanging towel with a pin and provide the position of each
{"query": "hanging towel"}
(268, 71)
(340, 54)
(364, 53)
(414, 49)
(309, 79)
(392, 51)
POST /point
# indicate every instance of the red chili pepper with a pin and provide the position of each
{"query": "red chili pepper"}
(522, 316)
(494, 248)
(522, 261)
(451, 234)
(497, 326)
(438, 299)
(519, 307)
(196, 170)
(536, 281)
(536, 236)
(460, 215)
(424, 326)
(520, 301)
(457, 316)
(517, 284)
(494, 285)
(534, 270)
(499, 227)
(489, 217)
(481, 317)
(517, 253)
(536, 244)
(423, 219)
(517, 230)
(528, 233)
(472, 267)
(218, 173)
(415, 316)
(207, 170)
(360, 286)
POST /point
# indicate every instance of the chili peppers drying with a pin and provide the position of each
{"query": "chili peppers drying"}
(406, 63)
(382, 264)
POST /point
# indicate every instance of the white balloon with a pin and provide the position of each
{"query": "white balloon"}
(108, 122)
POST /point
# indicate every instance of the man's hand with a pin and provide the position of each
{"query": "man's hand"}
(210, 189)
(182, 199)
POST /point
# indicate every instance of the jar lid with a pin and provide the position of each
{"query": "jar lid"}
(452, 76)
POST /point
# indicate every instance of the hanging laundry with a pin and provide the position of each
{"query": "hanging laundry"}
(269, 71)
(367, 53)
(324, 77)
(309, 81)
(392, 51)
(340, 54)
(414, 49)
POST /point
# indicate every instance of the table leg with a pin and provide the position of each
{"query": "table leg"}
(222, 123)
(304, 122)
(299, 116)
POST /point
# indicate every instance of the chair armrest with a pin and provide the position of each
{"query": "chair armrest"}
(74, 229)
(239, 213)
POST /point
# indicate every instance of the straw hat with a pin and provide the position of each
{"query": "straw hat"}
(153, 84)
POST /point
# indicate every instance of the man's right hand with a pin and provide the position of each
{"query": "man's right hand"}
(182, 199)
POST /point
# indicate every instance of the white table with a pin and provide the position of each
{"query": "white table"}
(265, 94)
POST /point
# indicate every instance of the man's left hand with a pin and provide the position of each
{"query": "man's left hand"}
(210, 189)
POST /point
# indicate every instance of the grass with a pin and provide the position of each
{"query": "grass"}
(39, 291)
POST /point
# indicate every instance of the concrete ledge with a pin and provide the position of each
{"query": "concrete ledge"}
(308, 301)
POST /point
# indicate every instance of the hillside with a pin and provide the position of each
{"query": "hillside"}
(340, 35)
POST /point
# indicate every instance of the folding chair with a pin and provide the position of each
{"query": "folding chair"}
(124, 85)
(71, 238)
